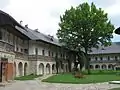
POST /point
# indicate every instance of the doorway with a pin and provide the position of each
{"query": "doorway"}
(3, 69)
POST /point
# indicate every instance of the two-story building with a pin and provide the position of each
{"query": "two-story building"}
(24, 51)
(106, 58)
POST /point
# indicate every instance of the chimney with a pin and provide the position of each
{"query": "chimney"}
(21, 22)
(26, 25)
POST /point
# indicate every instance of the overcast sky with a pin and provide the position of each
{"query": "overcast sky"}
(44, 14)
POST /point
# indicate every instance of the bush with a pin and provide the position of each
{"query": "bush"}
(78, 75)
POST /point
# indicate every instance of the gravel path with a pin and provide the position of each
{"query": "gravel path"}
(38, 85)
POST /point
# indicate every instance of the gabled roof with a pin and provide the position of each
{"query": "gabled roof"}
(36, 35)
(6, 19)
(114, 48)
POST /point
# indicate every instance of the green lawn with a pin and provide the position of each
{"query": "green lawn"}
(69, 78)
(115, 89)
(27, 77)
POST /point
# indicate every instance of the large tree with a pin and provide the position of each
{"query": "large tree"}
(85, 27)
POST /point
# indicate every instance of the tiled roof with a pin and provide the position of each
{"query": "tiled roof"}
(6, 19)
(36, 35)
(114, 48)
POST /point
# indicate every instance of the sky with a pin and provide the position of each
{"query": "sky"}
(44, 15)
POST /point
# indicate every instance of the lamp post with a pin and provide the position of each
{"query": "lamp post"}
(117, 31)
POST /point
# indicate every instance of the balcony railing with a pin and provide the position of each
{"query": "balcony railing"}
(105, 61)
(4, 46)
(41, 58)
(19, 55)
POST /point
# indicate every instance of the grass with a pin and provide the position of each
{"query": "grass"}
(115, 89)
(27, 77)
(95, 77)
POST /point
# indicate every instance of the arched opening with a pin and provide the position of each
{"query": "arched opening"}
(110, 67)
(41, 68)
(53, 68)
(97, 66)
(104, 66)
(14, 69)
(91, 66)
(25, 68)
(48, 69)
(20, 68)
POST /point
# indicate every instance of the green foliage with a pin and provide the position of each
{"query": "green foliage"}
(115, 89)
(85, 27)
(69, 78)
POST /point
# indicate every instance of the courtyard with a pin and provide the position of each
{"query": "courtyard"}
(32, 82)
(37, 85)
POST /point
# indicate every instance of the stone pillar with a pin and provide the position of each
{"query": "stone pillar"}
(50, 69)
(107, 67)
(17, 70)
(45, 70)
(37, 70)
(93, 66)
(23, 70)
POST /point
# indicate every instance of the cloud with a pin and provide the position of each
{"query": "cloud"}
(44, 14)
(4, 3)
(113, 10)
(41, 14)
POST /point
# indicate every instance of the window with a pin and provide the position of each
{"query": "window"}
(43, 52)
(56, 55)
(0, 34)
(48, 53)
(61, 54)
(17, 49)
(36, 51)
(52, 54)
(108, 58)
(101, 58)
(89, 59)
(96, 58)
(21, 50)
(116, 58)
(26, 51)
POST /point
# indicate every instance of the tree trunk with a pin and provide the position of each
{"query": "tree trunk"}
(87, 64)
(81, 59)
(69, 65)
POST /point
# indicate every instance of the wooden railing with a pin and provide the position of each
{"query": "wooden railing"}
(4, 46)
(106, 61)
(19, 55)
(41, 58)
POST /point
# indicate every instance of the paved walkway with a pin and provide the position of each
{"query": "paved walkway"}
(38, 85)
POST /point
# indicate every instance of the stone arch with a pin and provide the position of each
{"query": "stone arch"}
(104, 66)
(20, 69)
(91, 66)
(41, 68)
(25, 68)
(53, 68)
(47, 68)
(97, 66)
(110, 66)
